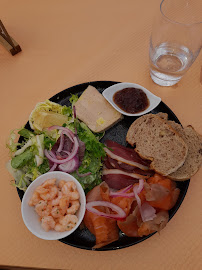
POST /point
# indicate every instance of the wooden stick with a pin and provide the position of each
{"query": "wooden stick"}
(7, 41)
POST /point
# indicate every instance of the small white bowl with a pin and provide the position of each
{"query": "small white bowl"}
(31, 218)
(109, 92)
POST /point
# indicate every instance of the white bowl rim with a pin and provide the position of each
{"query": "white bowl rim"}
(51, 235)
(110, 91)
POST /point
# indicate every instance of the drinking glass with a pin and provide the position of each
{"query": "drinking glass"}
(176, 40)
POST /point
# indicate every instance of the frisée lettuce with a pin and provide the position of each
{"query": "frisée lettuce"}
(28, 161)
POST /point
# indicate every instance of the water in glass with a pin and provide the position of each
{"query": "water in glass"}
(169, 62)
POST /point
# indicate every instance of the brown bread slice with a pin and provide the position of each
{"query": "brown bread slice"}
(162, 115)
(157, 141)
(194, 156)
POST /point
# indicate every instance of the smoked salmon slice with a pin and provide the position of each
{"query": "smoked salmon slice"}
(105, 229)
(169, 200)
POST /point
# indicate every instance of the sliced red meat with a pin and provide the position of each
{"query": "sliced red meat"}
(125, 152)
(119, 181)
(111, 163)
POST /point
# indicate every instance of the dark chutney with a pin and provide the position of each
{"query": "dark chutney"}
(131, 100)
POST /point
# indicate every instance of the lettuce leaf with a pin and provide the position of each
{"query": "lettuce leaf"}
(12, 145)
(92, 161)
(22, 159)
(25, 133)
(28, 162)
(73, 99)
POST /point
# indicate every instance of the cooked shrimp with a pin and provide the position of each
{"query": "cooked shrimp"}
(70, 221)
(74, 206)
(64, 202)
(34, 199)
(48, 183)
(61, 184)
(47, 223)
(66, 223)
(69, 186)
(42, 208)
(52, 204)
(70, 190)
(56, 212)
(57, 199)
(59, 228)
(74, 195)
(41, 190)
(51, 193)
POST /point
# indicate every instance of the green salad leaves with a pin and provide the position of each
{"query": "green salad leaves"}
(27, 154)
(28, 160)
(92, 161)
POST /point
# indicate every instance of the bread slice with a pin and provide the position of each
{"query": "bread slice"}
(95, 111)
(162, 115)
(194, 156)
(157, 141)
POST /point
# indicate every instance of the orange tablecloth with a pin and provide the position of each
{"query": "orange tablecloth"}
(66, 43)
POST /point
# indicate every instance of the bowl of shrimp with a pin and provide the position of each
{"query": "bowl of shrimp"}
(53, 205)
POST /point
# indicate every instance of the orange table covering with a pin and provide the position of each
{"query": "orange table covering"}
(66, 43)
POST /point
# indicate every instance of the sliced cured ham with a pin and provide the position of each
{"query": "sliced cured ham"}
(111, 163)
(123, 166)
(118, 179)
(125, 155)
(124, 160)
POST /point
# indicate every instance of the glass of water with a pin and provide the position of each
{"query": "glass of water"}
(176, 40)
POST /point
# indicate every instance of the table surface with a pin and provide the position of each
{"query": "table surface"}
(70, 42)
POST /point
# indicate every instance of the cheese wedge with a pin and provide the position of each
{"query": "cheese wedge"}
(95, 111)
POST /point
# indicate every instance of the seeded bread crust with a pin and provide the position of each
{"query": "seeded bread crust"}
(194, 156)
(157, 141)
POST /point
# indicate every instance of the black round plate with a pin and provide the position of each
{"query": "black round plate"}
(83, 238)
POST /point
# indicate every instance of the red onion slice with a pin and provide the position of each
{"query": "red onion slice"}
(122, 193)
(120, 212)
(125, 189)
(53, 167)
(69, 135)
(147, 211)
(135, 164)
(61, 161)
(48, 154)
(82, 174)
(137, 190)
(70, 166)
(52, 154)
(61, 142)
(74, 110)
(66, 130)
(66, 152)
(61, 155)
